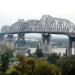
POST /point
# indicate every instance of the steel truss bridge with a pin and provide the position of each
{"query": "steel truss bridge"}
(47, 24)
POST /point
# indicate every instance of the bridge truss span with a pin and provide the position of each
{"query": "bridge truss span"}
(45, 24)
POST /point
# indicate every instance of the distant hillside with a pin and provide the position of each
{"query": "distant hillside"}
(59, 42)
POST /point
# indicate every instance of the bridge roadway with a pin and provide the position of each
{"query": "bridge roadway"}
(46, 25)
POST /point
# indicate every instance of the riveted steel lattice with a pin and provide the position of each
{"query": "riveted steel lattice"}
(45, 24)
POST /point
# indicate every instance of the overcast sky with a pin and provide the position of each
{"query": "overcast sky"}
(12, 10)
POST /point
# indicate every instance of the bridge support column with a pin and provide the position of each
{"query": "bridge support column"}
(20, 43)
(46, 38)
(9, 41)
(1, 41)
(73, 44)
(9, 37)
(46, 43)
(21, 36)
(1, 38)
(69, 53)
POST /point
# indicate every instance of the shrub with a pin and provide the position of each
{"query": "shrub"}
(5, 55)
(52, 58)
(12, 71)
(46, 69)
(67, 65)
(25, 66)
(22, 66)
(38, 52)
(31, 66)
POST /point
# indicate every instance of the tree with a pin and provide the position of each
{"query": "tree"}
(12, 71)
(31, 66)
(22, 66)
(29, 54)
(25, 66)
(5, 55)
(67, 65)
(38, 52)
(52, 58)
(46, 69)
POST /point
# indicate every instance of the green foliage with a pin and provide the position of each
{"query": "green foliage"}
(39, 52)
(46, 69)
(10, 70)
(31, 66)
(22, 66)
(29, 54)
(5, 56)
(67, 65)
(52, 58)
(14, 72)
(25, 66)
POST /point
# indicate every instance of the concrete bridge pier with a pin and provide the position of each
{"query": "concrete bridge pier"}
(1, 38)
(46, 37)
(46, 43)
(21, 36)
(9, 37)
(69, 52)
(71, 45)
(1, 41)
(20, 43)
(73, 39)
(9, 41)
